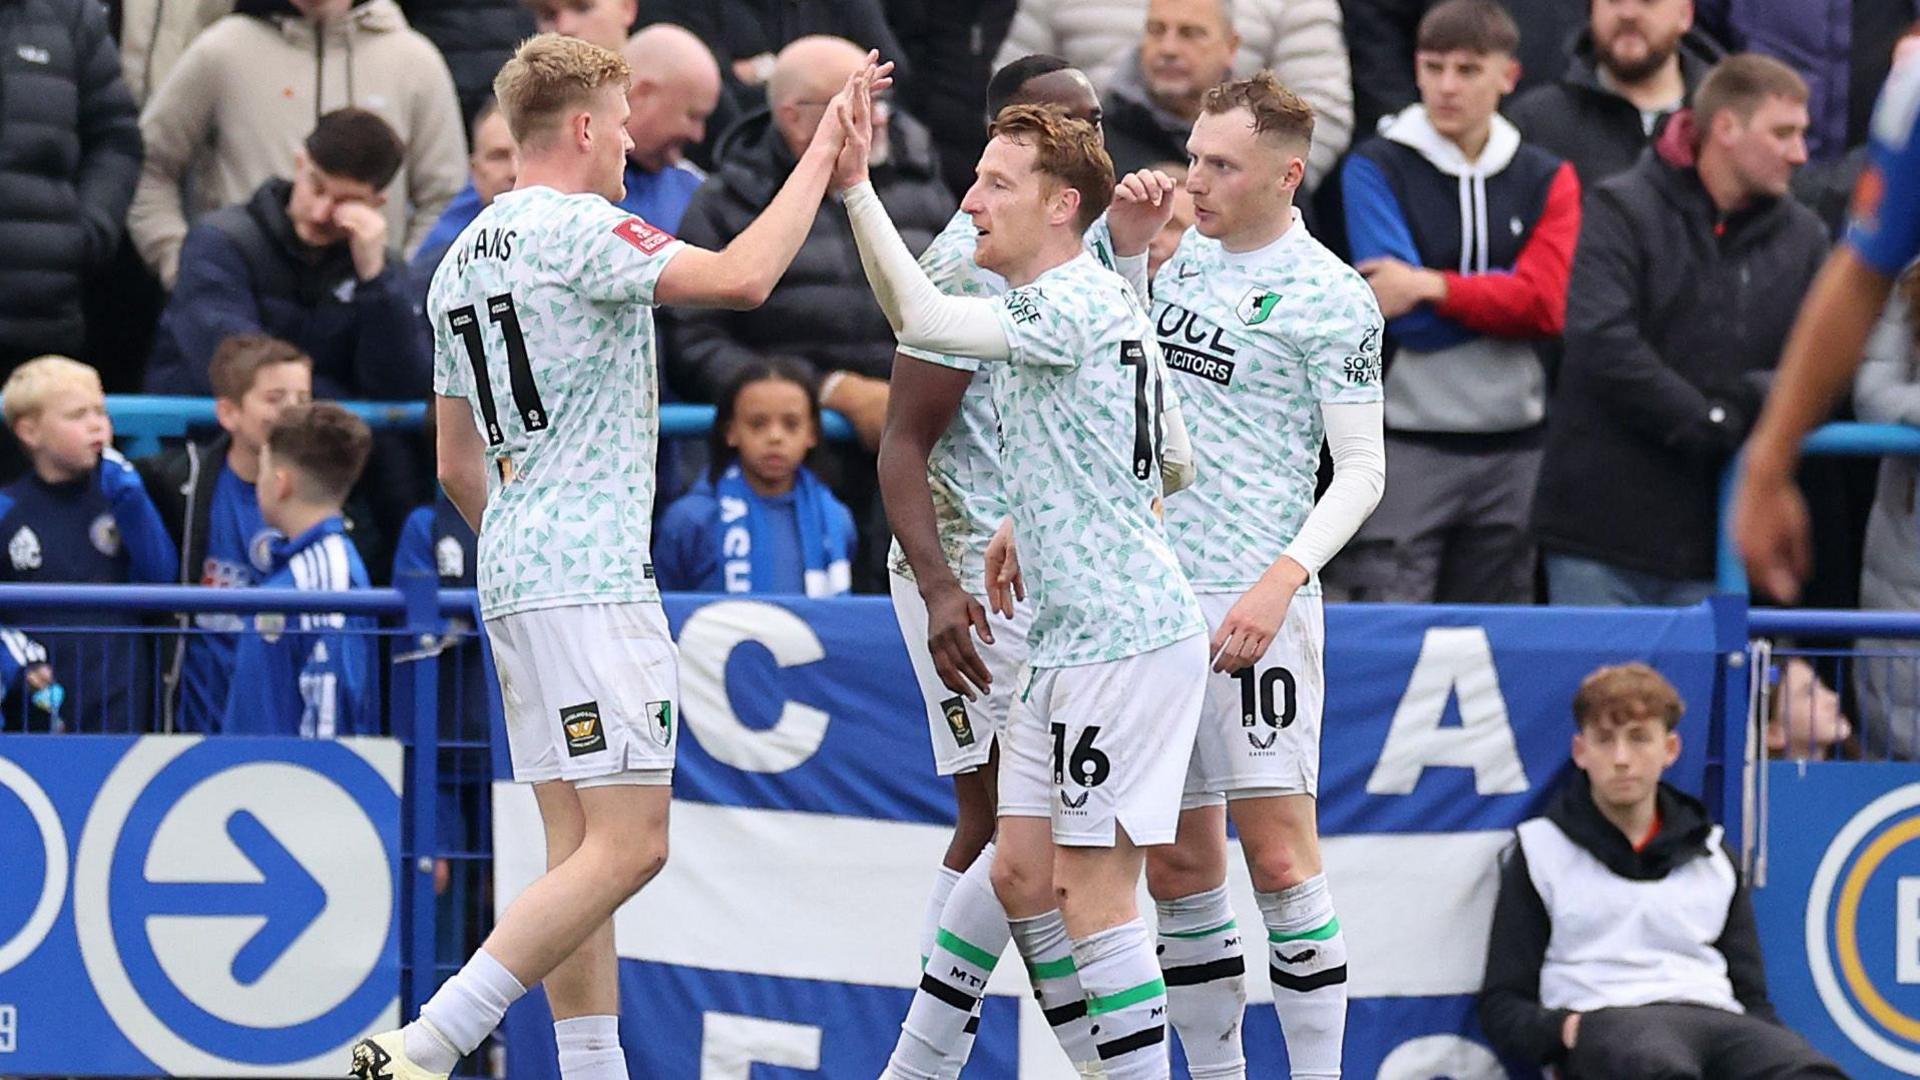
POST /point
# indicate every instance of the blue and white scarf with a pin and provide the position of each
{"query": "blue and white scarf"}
(743, 524)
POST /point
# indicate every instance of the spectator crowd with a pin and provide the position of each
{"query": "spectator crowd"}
(1588, 222)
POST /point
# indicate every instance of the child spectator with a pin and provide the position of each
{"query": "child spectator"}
(760, 522)
(81, 515)
(312, 674)
(205, 492)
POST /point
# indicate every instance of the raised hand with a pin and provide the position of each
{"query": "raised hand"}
(1142, 206)
(852, 112)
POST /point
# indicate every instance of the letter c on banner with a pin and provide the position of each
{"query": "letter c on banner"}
(707, 642)
(53, 885)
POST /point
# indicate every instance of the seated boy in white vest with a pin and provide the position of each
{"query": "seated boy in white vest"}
(1623, 940)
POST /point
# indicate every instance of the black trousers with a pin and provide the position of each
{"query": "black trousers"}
(1689, 1042)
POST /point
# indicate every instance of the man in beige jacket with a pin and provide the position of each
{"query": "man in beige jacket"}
(250, 87)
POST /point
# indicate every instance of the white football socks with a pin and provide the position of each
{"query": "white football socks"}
(1200, 958)
(1309, 971)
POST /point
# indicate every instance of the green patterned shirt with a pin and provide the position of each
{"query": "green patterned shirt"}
(1262, 340)
(1080, 408)
(963, 469)
(542, 320)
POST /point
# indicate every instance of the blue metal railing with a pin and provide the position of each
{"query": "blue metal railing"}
(1833, 440)
(142, 420)
(414, 618)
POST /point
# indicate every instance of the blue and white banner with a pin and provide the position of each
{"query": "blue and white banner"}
(1837, 896)
(195, 907)
(780, 940)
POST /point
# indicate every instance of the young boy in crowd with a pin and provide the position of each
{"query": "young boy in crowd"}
(81, 515)
(205, 492)
(311, 674)
(1654, 967)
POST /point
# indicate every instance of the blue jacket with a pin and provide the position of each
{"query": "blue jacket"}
(243, 270)
(686, 545)
(102, 529)
(315, 675)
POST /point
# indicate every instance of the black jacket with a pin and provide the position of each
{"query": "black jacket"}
(476, 37)
(1675, 320)
(1591, 126)
(69, 158)
(822, 311)
(950, 45)
(1139, 133)
(243, 270)
(1510, 1010)
(1381, 33)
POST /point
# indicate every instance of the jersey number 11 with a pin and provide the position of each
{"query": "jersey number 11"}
(501, 312)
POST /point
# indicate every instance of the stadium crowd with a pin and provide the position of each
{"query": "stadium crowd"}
(1588, 227)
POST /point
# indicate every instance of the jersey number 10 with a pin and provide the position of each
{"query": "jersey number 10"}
(501, 312)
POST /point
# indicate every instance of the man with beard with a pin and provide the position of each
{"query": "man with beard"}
(1638, 62)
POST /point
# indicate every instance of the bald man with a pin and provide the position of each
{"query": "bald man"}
(822, 312)
(676, 85)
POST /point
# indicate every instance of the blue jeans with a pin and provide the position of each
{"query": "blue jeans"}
(1583, 582)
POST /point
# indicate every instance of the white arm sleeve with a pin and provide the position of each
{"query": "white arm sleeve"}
(1177, 469)
(1134, 269)
(1354, 435)
(922, 316)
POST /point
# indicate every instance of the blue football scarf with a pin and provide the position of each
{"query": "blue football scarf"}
(825, 549)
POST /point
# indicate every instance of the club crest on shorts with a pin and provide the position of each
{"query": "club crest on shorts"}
(660, 721)
(955, 710)
(581, 724)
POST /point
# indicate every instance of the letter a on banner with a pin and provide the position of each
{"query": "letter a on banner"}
(1455, 662)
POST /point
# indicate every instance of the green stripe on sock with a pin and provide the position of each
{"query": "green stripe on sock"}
(1100, 1006)
(966, 950)
(1323, 933)
(1053, 969)
(1195, 935)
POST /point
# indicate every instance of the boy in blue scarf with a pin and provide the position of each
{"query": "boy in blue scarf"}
(761, 522)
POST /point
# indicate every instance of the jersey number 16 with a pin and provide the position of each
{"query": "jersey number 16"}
(465, 322)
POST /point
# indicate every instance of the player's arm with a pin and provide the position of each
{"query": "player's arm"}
(1824, 350)
(921, 315)
(1357, 441)
(1177, 469)
(924, 401)
(463, 457)
(743, 274)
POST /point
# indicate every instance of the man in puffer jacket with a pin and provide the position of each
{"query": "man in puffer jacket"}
(1691, 267)
(1635, 66)
(233, 110)
(69, 154)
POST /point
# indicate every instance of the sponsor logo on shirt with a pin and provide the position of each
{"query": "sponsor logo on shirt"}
(1024, 305)
(1363, 367)
(581, 725)
(642, 236)
(955, 710)
(105, 534)
(24, 549)
(1180, 331)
